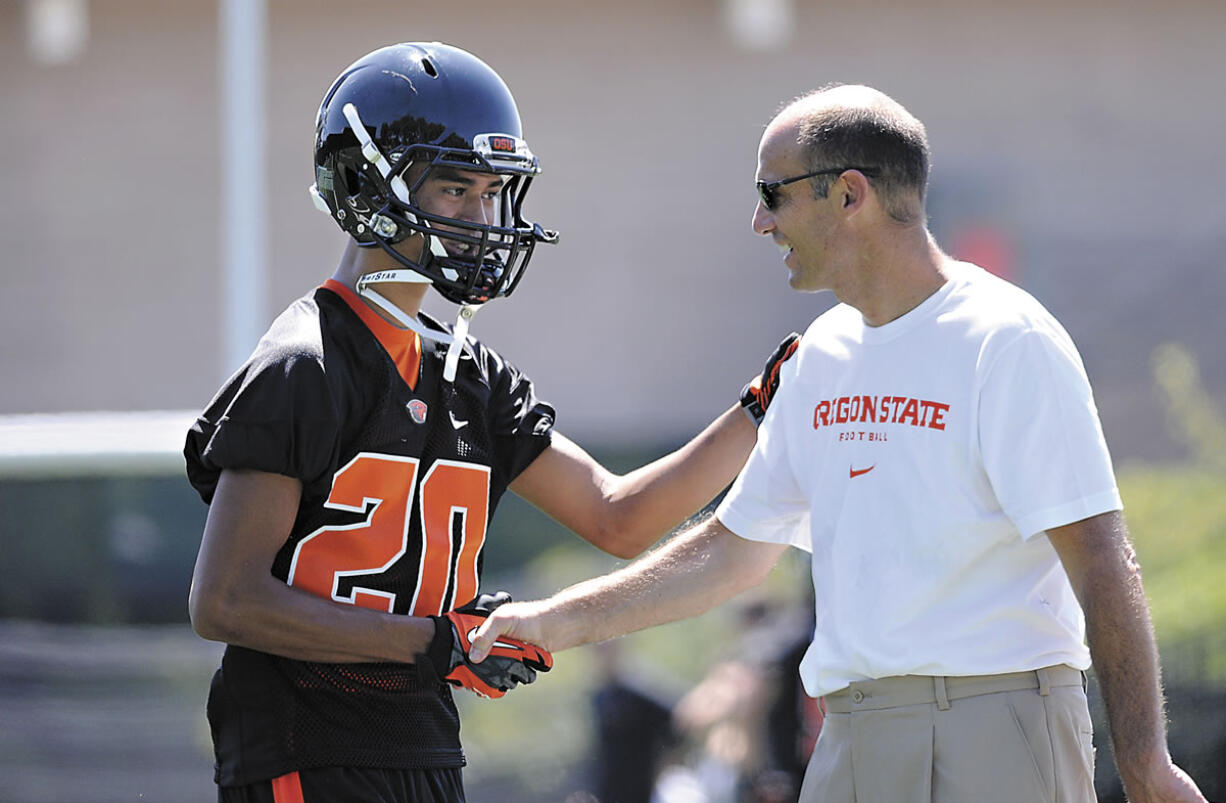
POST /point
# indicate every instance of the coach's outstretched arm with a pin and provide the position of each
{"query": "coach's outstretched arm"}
(1104, 573)
(691, 574)
(624, 514)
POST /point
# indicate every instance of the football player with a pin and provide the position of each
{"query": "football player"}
(353, 464)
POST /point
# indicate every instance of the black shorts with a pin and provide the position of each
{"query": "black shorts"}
(327, 784)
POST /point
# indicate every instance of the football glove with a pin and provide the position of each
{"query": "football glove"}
(510, 663)
(756, 396)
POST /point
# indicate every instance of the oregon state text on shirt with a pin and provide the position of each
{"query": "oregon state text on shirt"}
(880, 410)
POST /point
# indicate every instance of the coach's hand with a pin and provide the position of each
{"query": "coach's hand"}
(510, 662)
(520, 620)
(1158, 781)
(756, 396)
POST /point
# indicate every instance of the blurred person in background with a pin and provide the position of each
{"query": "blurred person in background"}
(741, 721)
(935, 446)
(353, 464)
(633, 730)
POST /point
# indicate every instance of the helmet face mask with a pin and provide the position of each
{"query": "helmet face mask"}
(470, 261)
(413, 113)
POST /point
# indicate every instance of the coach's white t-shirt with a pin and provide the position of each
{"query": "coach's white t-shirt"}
(920, 463)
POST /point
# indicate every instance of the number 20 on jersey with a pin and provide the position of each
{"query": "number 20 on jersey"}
(452, 497)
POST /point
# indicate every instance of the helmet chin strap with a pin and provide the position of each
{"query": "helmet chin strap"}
(455, 342)
(372, 153)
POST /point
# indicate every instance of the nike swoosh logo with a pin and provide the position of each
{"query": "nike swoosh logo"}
(853, 472)
(455, 422)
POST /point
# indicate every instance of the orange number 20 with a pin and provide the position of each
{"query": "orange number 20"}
(453, 496)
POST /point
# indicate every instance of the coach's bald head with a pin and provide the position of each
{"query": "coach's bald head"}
(849, 124)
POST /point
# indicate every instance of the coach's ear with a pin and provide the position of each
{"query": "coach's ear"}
(852, 191)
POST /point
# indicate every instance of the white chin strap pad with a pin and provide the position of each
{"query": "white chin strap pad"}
(403, 275)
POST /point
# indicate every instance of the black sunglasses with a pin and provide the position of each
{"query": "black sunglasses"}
(768, 191)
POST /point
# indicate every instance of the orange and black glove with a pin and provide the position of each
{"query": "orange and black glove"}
(510, 663)
(756, 396)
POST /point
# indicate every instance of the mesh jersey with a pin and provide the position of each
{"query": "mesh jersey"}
(400, 474)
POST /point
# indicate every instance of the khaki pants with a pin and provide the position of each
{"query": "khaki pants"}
(1024, 737)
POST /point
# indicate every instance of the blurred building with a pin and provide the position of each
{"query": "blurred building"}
(1077, 148)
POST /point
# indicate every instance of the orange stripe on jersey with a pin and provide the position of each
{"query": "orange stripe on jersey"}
(402, 345)
(287, 789)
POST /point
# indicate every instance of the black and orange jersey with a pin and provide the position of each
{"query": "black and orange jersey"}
(401, 473)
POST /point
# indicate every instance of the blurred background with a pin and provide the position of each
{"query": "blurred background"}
(155, 158)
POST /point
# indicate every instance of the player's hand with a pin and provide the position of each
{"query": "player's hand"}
(756, 396)
(515, 621)
(511, 662)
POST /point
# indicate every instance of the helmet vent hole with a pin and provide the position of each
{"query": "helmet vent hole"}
(429, 68)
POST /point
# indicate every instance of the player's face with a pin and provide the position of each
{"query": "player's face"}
(798, 223)
(466, 195)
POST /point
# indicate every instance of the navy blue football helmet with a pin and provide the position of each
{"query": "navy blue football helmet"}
(433, 104)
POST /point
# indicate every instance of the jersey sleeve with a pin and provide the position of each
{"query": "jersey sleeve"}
(1040, 436)
(521, 425)
(274, 415)
(765, 502)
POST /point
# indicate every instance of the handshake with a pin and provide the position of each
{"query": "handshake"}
(510, 661)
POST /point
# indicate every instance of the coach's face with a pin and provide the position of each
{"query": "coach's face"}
(798, 223)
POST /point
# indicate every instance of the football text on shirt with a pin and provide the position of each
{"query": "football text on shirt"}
(880, 410)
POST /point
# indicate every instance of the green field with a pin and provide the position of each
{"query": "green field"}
(1177, 516)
